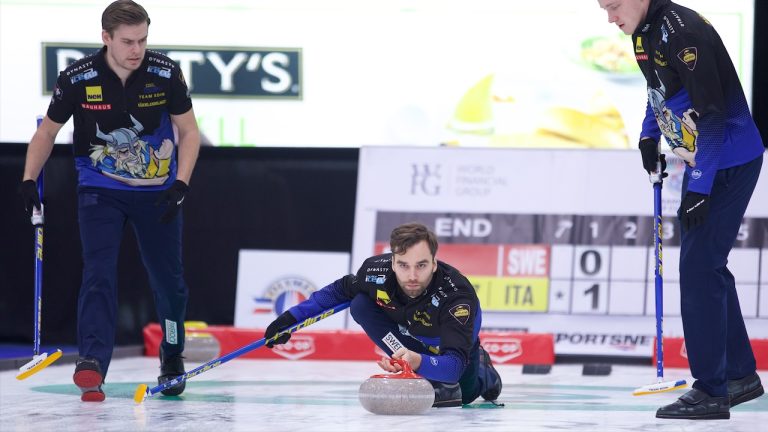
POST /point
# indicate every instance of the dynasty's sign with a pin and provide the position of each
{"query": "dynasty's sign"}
(220, 72)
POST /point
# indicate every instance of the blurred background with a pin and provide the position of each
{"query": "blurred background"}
(291, 94)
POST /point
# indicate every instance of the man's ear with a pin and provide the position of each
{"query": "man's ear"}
(105, 37)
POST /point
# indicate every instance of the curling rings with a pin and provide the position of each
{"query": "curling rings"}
(402, 393)
(199, 346)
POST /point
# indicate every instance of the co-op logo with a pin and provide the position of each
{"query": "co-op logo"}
(209, 71)
(298, 346)
(502, 350)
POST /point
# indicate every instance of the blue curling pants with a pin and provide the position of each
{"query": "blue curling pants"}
(102, 215)
(715, 336)
(377, 324)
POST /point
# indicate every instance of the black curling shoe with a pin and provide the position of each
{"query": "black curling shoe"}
(745, 389)
(170, 368)
(489, 378)
(696, 405)
(446, 395)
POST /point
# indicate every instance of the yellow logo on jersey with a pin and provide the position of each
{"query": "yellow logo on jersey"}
(93, 94)
(382, 296)
(639, 45)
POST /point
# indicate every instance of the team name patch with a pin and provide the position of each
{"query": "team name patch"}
(460, 312)
(391, 342)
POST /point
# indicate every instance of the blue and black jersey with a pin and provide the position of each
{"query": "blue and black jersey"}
(123, 137)
(446, 318)
(695, 98)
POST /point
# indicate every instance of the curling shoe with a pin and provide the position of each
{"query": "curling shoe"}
(490, 379)
(446, 395)
(696, 405)
(170, 368)
(89, 378)
(744, 389)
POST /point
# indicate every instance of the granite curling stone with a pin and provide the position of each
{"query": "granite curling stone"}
(402, 393)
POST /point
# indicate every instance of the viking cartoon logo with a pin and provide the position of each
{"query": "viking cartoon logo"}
(681, 131)
(128, 158)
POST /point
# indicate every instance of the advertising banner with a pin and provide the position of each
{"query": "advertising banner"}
(554, 241)
(348, 73)
(271, 282)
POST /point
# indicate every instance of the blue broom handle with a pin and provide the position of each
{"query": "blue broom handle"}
(658, 273)
(38, 220)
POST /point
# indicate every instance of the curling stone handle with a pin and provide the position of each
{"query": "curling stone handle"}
(407, 370)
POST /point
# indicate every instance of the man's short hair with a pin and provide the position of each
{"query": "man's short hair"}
(406, 235)
(122, 12)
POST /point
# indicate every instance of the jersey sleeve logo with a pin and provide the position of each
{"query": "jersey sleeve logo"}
(688, 56)
(460, 312)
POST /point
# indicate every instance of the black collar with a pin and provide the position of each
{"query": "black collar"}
(654, 9)
(100, 60)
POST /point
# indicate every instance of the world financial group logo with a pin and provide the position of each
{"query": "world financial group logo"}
(426, 179)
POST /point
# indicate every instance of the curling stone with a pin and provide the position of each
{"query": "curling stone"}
(199, 346)
(401, 393)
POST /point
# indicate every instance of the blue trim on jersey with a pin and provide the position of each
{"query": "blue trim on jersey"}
(449, 366)
(722, 141)
(710, 143)
(326, 297)
(444, 368)
(91, 173)
(650, 125)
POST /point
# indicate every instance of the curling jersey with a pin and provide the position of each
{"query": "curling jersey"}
(123, 136)
(695, 98)
(446, 318)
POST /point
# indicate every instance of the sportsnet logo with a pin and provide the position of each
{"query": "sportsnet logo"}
(299, 346)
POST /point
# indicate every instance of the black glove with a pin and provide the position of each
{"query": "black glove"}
(649, 150)
(173, 196)
(28, 191)
(280, 323)
(693, 210)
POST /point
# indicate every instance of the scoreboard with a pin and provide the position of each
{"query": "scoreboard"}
(540, 258)
(573, 264)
